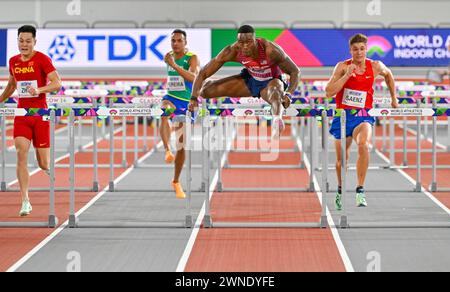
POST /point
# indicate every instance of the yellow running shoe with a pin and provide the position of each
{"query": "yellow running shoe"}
(179, 190)
(170, 158)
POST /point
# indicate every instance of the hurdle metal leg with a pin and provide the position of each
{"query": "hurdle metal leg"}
(221, 146)
(325, 186)
(374, 138)
(419, 156)
(145, 134)
(302, 135)
(136, 133)
(72, 217)
(52, 219)
(188, 148)
(208, 223)
(96, 184)
(80, 134)
(392, 142)
(124, 142)
(405, 141)
(344, 219)
(111, 155)
(204, 153)
(448, 134)
(312, 149)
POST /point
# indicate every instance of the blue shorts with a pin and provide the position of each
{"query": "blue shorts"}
(181, 105)
(256, 86)
(352, 123)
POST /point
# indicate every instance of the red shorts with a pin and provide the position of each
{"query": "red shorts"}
(34, 129)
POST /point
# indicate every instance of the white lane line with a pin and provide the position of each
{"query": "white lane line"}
(414, 183)
(41, 245)
(334, 231)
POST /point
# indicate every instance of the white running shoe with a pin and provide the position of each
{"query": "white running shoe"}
(26, 209)
(277, 127)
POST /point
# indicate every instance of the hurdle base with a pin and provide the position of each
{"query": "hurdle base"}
(418, 188)
(311, 188)
(189, 222)
(220, 187)
(207, 221)
(343, 223)
(323, 222)
(52, 221)
(73, 221)
(433, 187)
(96, 187)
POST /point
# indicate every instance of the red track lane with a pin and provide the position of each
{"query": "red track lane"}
(264, 250)
(269, 250)
(15, 243)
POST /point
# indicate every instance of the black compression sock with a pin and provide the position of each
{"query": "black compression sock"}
(360, 189)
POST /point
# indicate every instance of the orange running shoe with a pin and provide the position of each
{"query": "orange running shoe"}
(179, 190)
(170, 158)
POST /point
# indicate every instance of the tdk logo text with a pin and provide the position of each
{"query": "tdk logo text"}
(136, 47)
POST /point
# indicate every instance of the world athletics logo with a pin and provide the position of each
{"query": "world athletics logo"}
(378, 45)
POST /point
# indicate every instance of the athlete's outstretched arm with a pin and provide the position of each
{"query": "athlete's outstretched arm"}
(227, 55)
(280, 58)
(9, 90)
(384, 71)
(339, 78)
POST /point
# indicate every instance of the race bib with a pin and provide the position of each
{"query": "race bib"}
(176, 83)
(22, 88)
(355, 98)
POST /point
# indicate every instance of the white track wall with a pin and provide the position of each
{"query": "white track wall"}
(41, 11)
